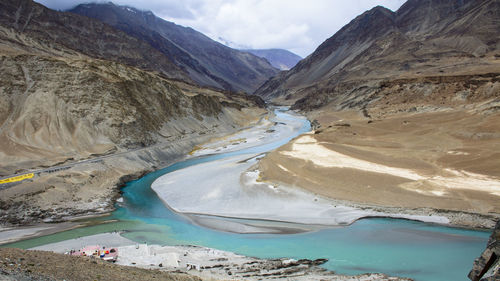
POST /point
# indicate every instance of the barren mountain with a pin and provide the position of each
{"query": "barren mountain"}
(205, 61)
(279, 58)
(61, 108)
(429, 42)
(405, 108)
(38, 29)
(88, 124)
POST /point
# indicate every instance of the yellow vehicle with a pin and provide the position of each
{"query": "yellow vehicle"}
(17, 178)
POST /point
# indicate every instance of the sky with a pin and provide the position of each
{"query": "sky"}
(299, 26)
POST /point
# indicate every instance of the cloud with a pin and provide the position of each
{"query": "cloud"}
(299, 26)
(169, 8)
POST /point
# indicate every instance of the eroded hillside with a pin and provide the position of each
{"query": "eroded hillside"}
(86, 125)
(62, 111)
(59, 109)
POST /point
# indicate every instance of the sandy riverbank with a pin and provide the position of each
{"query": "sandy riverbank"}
(301, 209)
(219, 193)
(51, 201)
(110, 172)
(13, 234)
(206, 263)
(74, 181)
(270, 129)
(414, 164)
(229, 188)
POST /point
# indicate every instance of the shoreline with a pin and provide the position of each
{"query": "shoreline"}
(161, 155)
(207, 263)
(383, 215)
(376, 166)
(486, 222)
(249, 225)
(42, 229)
(229, 219)
(456, 218)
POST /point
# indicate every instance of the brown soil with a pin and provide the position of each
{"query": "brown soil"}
(426, 143)
(17, 264)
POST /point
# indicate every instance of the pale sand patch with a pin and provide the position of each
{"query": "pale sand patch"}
(453, 152)
(237, 141)
(283, 168)
(468, 180)
(103, 239)
(206, 263)
(230, 188)
(267, 131)
(309, 149)
(225, 188)
(13, 234)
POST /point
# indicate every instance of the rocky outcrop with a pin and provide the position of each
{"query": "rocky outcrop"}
(487, 266)
(205, 61)
(134, 38)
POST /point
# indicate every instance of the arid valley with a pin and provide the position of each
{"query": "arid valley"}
(372, 155)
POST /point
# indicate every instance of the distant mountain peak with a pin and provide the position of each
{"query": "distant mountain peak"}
(423, 37)
(232, 44)
(205, 61)
(279, 58)
(112, 5)
(382, 9)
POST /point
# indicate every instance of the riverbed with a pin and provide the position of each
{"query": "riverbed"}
(392, 246)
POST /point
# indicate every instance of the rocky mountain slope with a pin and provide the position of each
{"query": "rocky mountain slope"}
(425, 45)
(205, 61)
(279, 58)
(105, 120)
(41, 30)
(61, 108)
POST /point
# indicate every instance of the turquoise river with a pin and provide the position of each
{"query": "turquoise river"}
(395, 247)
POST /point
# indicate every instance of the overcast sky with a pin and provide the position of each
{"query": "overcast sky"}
(296, 25)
